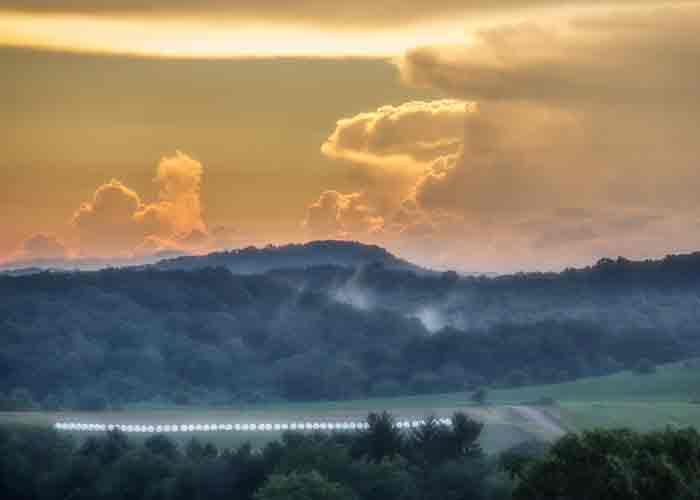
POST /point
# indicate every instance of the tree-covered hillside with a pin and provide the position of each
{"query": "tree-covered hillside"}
(253, 260)
(661, 295)
(115, 337)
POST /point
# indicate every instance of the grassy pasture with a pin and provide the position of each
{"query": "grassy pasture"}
(677, 382)
(668, 397)
(643, 402)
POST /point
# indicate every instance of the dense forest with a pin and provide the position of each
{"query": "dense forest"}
(431, 462)
(91, 340)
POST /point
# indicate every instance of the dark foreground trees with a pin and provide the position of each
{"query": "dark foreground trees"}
(381, 463)
(613, 465)
(432, 462)
(304, 486)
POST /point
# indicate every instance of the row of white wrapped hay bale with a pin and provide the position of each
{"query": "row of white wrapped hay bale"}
(237, 427)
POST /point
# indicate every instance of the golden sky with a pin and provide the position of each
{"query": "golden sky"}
(477, 135)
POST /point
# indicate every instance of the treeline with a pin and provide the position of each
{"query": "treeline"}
(383, 463)
(94, 340)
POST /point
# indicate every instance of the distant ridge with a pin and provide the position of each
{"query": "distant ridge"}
(22, 271)
(253, 260)
(33, 266)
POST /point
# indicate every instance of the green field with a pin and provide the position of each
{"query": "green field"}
(642, 402)
(668, 397)
(673, 383)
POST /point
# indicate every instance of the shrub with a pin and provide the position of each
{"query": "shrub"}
(306, 486)
(644, 367)
(479, 396)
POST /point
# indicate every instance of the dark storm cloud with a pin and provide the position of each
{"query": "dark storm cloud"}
(646, 59)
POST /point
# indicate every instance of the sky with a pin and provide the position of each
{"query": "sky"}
(474, 135)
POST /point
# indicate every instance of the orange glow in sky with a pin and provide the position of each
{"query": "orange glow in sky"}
(196, 38)
(300, 120)
(182, 37)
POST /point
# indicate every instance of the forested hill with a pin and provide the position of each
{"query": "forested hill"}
(120, 336)
(660, 296)
(254, 260)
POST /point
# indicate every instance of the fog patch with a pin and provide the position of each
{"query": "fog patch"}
(433, 319)
(352, 295)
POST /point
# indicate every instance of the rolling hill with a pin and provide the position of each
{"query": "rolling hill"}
(254, 260)
(209, 336)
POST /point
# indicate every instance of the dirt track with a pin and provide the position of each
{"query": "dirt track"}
(541, 419)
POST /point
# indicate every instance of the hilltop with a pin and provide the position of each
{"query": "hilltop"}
(253, 260)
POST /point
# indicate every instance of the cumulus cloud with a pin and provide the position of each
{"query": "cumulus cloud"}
(532, 188)
(413, 132)
(583, 144)
(339, 215)
(500, 157)
(391, 147)
(41, 247)
(117, 222)
(598, 112)
(512, 159)
(109, 222)
(180, 178)
(500, 165)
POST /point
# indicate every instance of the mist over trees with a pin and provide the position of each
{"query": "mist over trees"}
(94, 340)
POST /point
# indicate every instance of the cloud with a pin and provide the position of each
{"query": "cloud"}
(598, 112)
(500, 157)
(179, 209)
(118, 226)
(389, 148)
(180, 178)
(41, 247)
(338, 215)
(638, 59)
(512, 159)
(194, 242)
(154, 245)
(532, 188)
(501, 167)
(116, 222)
(366, 13)
(108, 223)
(567, 235)
(583, 144)
(413, 132)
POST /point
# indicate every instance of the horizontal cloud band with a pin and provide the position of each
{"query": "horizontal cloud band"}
(369, 13)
